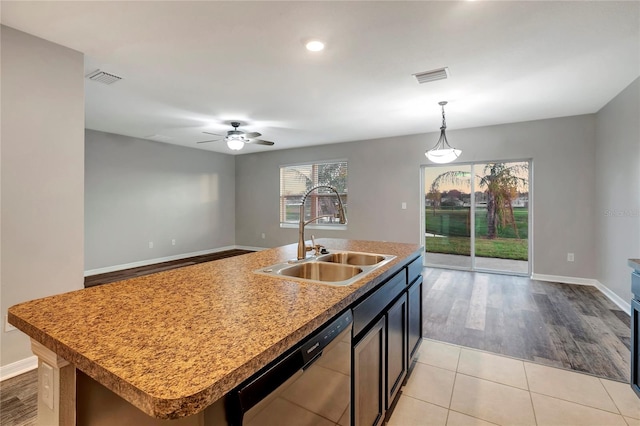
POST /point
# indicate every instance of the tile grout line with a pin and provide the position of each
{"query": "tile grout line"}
(530, 361)
(533, 407)
(578, 403)
(453, 386)
(612, 399)
(528, 390)
(474, 417)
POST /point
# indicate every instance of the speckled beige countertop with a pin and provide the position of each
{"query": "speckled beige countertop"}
(173, 343)
(635, 264)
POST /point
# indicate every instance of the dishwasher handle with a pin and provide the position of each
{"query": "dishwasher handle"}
(311, 361)
(255, 391)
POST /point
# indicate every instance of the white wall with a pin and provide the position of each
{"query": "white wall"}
(618, 189)
(383, 173)
(42, 171)
(139, 191)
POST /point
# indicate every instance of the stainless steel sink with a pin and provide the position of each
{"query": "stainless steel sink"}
(321, 271)
(352, 258)
(340, 268)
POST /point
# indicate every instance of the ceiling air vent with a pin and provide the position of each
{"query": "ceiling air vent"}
(103, 77)
(433, 75)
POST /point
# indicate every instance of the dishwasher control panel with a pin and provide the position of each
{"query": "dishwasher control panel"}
(314, 346)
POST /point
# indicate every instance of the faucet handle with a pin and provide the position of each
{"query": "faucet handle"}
(317, 247)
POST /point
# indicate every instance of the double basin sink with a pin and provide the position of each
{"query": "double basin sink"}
(340, 268)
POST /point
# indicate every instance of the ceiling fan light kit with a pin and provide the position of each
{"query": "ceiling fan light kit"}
(235, 143)
(236, 139)
(442, 152)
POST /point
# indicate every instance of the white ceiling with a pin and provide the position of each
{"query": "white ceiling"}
(190, 67)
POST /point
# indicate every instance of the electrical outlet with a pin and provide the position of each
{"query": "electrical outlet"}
(46, 384)
(8, 327)
(150, 244)
(173, 242)
(263, 236)
(404, 206)
(570, 257)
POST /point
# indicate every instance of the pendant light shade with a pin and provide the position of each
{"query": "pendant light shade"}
(442, 152)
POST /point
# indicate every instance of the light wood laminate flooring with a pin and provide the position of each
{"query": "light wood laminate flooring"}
(19, 400)
(561, 325)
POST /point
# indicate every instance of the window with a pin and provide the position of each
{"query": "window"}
(297, 179)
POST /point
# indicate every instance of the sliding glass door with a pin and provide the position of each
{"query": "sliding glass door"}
(448, 216)
(476, 216)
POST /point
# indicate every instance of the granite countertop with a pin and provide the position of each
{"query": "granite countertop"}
(635, 264)
(174, 342)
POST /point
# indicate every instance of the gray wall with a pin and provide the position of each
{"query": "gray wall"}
(618, 189)
(383, 173)
(139, 191)
(42, 175)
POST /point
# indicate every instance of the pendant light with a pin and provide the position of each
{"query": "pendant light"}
(442, 152)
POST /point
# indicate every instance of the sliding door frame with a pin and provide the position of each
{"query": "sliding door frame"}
(472, 215)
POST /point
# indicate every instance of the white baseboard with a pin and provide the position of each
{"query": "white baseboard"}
(622, 304)
(619, 302)
(147, 262)
(250, 248)
(563, 279)
(19, 367)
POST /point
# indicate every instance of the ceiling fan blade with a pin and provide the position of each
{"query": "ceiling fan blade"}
(213, 140)
(214, 134)
(260, 142)
(252, 135)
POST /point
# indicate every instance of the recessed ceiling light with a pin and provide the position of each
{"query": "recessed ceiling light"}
(315, 45)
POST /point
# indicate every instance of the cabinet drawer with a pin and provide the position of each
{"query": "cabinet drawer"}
(414, 270)
(635, 285)
(367, 310)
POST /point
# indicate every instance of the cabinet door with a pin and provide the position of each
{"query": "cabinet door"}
(396, 318)
(368, 379)
(415, 318)
(635, 346)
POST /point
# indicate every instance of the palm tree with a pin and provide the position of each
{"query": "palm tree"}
(501, 182)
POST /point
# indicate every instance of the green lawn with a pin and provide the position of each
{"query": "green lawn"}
(502, 248)
(454, 224)
(455, 221)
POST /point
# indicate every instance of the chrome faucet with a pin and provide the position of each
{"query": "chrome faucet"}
(302, 247)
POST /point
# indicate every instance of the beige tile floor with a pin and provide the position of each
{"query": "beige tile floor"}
(453, 385)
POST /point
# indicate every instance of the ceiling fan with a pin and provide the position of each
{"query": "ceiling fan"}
(237, 138)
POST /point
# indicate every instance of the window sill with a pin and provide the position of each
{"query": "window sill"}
(315, 226)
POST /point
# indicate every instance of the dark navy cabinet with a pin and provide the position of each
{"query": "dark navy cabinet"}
(635, 327)
(635, 351)
(387, 331)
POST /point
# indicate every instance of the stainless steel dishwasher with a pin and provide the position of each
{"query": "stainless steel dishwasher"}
(309, 385)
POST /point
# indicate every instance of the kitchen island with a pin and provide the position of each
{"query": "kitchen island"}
(173, 343)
